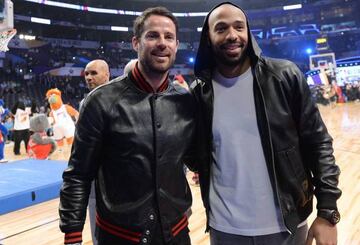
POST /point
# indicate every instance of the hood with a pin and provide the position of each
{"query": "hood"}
(205, 61)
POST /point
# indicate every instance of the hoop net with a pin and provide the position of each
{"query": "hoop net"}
(5, 37)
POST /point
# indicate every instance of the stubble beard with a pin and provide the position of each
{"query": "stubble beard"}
(222, 58)
(154, 67)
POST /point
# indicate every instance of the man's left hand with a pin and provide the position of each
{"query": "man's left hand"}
(323, 231)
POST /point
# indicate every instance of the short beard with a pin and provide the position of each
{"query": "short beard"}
(221, 58)
(232, 62)
(151, 68)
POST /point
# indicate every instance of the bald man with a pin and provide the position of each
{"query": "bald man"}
(96, 72)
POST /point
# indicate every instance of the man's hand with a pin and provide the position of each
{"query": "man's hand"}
(323, 232)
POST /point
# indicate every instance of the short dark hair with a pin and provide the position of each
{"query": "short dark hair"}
(162, 11)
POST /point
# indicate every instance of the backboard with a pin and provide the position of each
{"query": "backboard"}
(6, 15)
(7, 30)
(322, 61)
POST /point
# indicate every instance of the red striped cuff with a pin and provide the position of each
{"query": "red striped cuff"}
(73, 237)
(180, 226)
(118, 231)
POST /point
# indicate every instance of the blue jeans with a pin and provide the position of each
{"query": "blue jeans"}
(282, 238)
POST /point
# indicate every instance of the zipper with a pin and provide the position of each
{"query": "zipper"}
(271, 146)
(209, 149)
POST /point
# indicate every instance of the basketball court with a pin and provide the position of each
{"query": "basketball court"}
(38, 224)
(29, 188)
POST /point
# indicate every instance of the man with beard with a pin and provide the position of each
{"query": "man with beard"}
(132, 138)
(266, 149)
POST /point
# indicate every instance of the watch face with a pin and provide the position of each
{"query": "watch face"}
(335, 217)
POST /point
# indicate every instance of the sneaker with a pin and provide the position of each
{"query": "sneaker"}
(3, 160)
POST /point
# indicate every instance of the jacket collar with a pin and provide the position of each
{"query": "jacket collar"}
(143, 85)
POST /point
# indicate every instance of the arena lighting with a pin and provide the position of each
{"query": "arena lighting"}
(106, 11)
(291, 7)
(27, 37)
(100, 10)
(352, 58)
(57, 4)
(309, 51)
(199, 29)
(40, 20)
(198, 14)
(348, 64)
(321, 40)
(119, 28)
(191, 60)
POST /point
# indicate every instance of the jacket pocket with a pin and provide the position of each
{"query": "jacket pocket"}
(292, 176)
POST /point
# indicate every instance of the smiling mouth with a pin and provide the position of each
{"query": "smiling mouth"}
(232, 46)
(161, 55)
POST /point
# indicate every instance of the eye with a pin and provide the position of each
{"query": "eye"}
(220, 28)
(170, 37)
(239, 28)
(151, 35)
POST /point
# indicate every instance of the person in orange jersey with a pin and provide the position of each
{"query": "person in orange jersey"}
(63, 122)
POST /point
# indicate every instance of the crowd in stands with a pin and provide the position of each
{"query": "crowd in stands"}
(25, 73)
(331, 94)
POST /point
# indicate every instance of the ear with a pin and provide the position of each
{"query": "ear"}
(177, 45)
(135, 43)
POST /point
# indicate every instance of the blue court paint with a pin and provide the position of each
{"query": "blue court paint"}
(28, 182)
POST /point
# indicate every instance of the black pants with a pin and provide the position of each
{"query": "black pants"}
(282, 238)
(21, 135)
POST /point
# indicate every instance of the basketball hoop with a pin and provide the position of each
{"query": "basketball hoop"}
(5, 37)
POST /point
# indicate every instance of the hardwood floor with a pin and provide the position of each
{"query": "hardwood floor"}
(39, 224)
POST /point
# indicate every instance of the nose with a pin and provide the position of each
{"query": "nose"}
(161, 43)
(232, 34)
(87, 77)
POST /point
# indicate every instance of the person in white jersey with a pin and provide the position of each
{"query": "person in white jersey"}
(21, 125)
(266, 150)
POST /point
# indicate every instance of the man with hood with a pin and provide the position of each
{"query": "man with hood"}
(266, 150)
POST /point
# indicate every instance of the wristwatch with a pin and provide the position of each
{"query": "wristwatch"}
(333, 216)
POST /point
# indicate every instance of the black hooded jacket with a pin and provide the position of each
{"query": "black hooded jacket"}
(296, 144)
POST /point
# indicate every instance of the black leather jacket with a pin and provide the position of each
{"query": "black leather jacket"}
(296, 144)
(134, 145)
